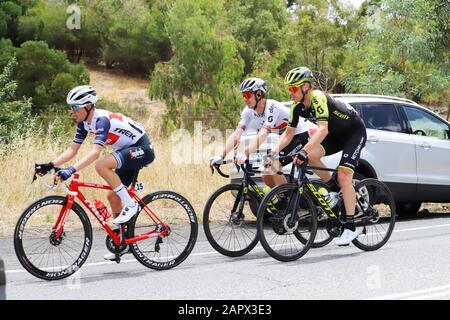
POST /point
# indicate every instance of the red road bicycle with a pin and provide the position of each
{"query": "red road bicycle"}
(53, 236)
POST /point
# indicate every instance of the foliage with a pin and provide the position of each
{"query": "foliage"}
(198, 52)
(401, 50)
(201, 77)
(14, 113)
(45, 74)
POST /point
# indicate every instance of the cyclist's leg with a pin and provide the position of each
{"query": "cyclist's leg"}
(349, 161)
(127, 160)
(345, 180)
(270, 176)
(126, 176)
(105, 167)
(315, 156)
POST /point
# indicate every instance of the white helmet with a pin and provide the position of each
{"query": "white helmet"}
(82, 95)
(253, 84)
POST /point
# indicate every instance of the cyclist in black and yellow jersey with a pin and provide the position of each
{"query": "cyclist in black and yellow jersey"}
(339, 129)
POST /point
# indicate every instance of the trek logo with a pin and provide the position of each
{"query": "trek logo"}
(125, 133)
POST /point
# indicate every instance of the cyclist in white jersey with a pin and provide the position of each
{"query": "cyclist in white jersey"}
(132, 150)
(269, 116)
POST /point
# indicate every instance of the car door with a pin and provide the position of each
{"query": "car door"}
(389, 149)
(431, 135)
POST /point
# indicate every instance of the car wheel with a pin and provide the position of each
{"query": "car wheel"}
(408, 209)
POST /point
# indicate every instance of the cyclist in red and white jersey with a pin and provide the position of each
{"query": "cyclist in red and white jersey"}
(266, 115)
(132, 150)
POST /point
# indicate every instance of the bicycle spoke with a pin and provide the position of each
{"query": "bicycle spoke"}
(40, 251)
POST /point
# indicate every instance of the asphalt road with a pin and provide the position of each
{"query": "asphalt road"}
(414, 264)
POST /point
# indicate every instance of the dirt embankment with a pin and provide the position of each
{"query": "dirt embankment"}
(123, 89)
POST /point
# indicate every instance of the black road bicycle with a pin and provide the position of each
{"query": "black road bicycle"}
(229, 216)
(288, 234)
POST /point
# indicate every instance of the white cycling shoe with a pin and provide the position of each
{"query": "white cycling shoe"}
(126, 214)
(347, 237)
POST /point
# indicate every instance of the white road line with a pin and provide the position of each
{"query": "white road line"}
(417, 294)
(422, 228)
(214, 252)
(94, 264)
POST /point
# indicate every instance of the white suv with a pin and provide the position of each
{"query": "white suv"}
(408, 148)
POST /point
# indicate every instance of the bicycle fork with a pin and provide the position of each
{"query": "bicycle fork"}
(58, 228)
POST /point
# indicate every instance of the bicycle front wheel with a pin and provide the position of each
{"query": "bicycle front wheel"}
(38, 248)
(230, 231)
(168, 226)
(283, 239)
(375, 214)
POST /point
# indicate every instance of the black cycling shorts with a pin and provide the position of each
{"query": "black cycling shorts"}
(131, 159)
(351, 145)
(298, 142)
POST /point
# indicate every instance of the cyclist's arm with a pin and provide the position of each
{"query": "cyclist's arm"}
(93, 155)
(67, 155)
(257, 141)
(232, 141)
(318, 137)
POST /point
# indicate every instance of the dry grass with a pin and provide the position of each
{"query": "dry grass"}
(194, 181)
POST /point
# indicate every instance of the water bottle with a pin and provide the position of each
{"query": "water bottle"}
(266, 190)
(102, 209)
(331, 198)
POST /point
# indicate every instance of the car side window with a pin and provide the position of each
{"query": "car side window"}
(425, 124)
(380, 116)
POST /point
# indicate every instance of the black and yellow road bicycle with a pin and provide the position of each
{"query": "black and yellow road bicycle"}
(229, 216)
(289, 233)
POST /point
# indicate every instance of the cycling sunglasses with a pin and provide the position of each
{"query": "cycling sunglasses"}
(293, 89)
(75, 107)
(247, 94)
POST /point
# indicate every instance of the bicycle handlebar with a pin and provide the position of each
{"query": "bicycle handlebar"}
(56, 181)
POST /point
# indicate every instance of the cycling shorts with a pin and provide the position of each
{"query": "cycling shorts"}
(131, 159)
(298, 142)
(351, 145)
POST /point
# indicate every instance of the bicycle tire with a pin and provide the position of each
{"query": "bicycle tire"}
(269, 229)
(183, 228)
(242, 235)
(382, 201)
(21, 239)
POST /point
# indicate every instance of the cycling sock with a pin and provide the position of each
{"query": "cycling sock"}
(122, 192)
(350, 223)
(333, 185)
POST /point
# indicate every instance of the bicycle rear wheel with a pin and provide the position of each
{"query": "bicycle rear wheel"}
(171, 222)
(40, 251)
(281, 239)
(230, 232)
(375, 214)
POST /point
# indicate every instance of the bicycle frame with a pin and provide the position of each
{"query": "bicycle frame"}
(119, 239)
(246, 182)
(302, 181)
